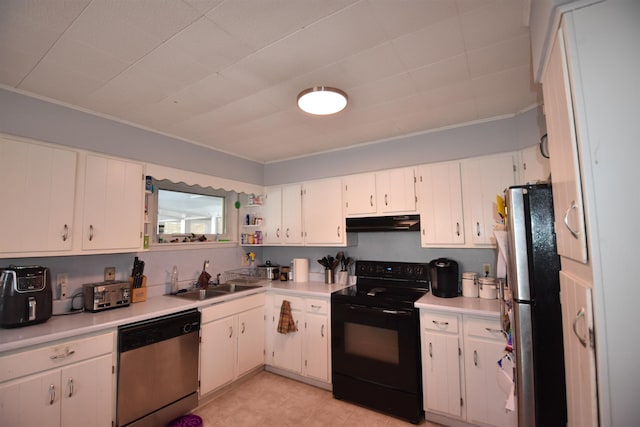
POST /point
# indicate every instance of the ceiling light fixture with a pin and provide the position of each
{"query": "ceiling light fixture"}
(322, 100)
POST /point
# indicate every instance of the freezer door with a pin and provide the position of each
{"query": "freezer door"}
(518, 269)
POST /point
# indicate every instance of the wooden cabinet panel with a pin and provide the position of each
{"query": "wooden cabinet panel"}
(359, 194)
(324, 223)
(218, 353)
(250, 340)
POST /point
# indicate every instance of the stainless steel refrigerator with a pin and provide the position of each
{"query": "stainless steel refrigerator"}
(532, 277)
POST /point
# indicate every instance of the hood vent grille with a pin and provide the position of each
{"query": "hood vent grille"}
(384, 223)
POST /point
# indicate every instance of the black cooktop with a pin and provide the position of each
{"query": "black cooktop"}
(386, 284)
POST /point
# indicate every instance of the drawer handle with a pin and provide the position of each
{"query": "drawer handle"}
(66, 354)
(475, 357)
(494, 331)
(430, 351)
(52, 394)
(316, 307)
(435, 322)
(322, 331)
(70, 386)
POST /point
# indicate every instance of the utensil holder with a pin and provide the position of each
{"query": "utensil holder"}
(342, 277)
(328, 276)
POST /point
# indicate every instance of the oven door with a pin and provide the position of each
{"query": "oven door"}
(375, 344)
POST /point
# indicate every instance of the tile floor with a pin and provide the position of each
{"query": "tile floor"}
(271, 400)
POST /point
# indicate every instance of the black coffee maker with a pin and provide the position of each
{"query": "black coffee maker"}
(25, 296)
(443, 277)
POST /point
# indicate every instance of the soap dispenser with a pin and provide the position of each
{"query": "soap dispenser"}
(174, 279)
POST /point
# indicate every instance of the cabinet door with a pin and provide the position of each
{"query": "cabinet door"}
(250, 339)
(31, 401)
(286, 351)
(396, 190)
(359, 194)
(292, 214)
(579, 353)
(441, 373)
(272, 228)
(485, 399)
(218, 353)
(38, 193)
(483, 179)
(87, 393)
(324, 223)
(533, 166)
(316, 347)
(113, 204)
(440, 204)
(563, 151)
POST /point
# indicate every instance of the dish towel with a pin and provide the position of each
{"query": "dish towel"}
(286, 323)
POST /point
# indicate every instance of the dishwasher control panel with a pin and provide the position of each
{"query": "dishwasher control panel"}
(147, 332)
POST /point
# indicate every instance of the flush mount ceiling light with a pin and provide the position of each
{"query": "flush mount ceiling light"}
(322, 100)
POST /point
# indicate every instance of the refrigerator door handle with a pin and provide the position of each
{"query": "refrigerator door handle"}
(579, 315)
(518, 244)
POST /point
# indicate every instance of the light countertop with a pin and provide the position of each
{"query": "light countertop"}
(73, 325)
(464, 305)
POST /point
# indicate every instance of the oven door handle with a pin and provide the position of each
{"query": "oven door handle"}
(364, 308)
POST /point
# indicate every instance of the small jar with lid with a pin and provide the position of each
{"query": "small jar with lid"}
(470, 284)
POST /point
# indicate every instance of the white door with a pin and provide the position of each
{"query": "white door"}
(533, 167)
(87, 393)
(579, 352)
(316, 347)
(441, 373)
(218, 355)
(441, 216)
(359, 194)
(483, 179)
(113, 204)
(322, 210)
(396, 190)
(292, 214)
(272, 227)
(38, 193)
(31, 401)
(287, 348)
(250, 339)
(563, 151)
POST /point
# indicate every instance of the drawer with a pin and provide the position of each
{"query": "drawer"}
(229, 308)
(55, 355)
(297, 303)
(483, 327)
(439, 321)
(318, 306)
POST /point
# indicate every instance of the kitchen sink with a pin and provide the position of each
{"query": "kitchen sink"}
(215, 291)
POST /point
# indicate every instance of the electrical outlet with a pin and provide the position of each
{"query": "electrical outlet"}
(486, 270)
(62, 282)
(109, 274)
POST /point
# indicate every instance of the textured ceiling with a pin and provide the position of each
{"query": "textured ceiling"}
(226, 74)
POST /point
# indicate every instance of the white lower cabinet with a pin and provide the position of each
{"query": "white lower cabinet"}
(67, 384)
(232, 341)
(459, 367)
(483, 346)
(442, 368)
(307, 351)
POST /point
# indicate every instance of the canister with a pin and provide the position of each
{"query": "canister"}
(487, 287)
(470, 284)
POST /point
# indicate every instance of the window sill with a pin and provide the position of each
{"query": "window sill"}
(189, 245)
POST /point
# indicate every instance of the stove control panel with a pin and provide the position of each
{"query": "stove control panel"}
(393, 270)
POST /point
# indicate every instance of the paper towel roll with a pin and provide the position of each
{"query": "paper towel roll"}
(300, 270)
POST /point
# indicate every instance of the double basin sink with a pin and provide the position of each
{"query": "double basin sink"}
(215, 291)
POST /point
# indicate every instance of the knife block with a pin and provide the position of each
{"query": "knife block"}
(139, 294)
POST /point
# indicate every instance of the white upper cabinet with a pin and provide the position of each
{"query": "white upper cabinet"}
(440, 199)
(484, 178)
(324, 222)
(359, 194)
(113, 204)
(533, 165)
(396, 190)
(38, 184)
(283, 215)
(387, 192)
(563, 149)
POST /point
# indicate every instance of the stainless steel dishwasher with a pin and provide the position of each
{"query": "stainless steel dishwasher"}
(158, 369)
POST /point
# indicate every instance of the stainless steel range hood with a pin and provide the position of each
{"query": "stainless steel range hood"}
(384, 223)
